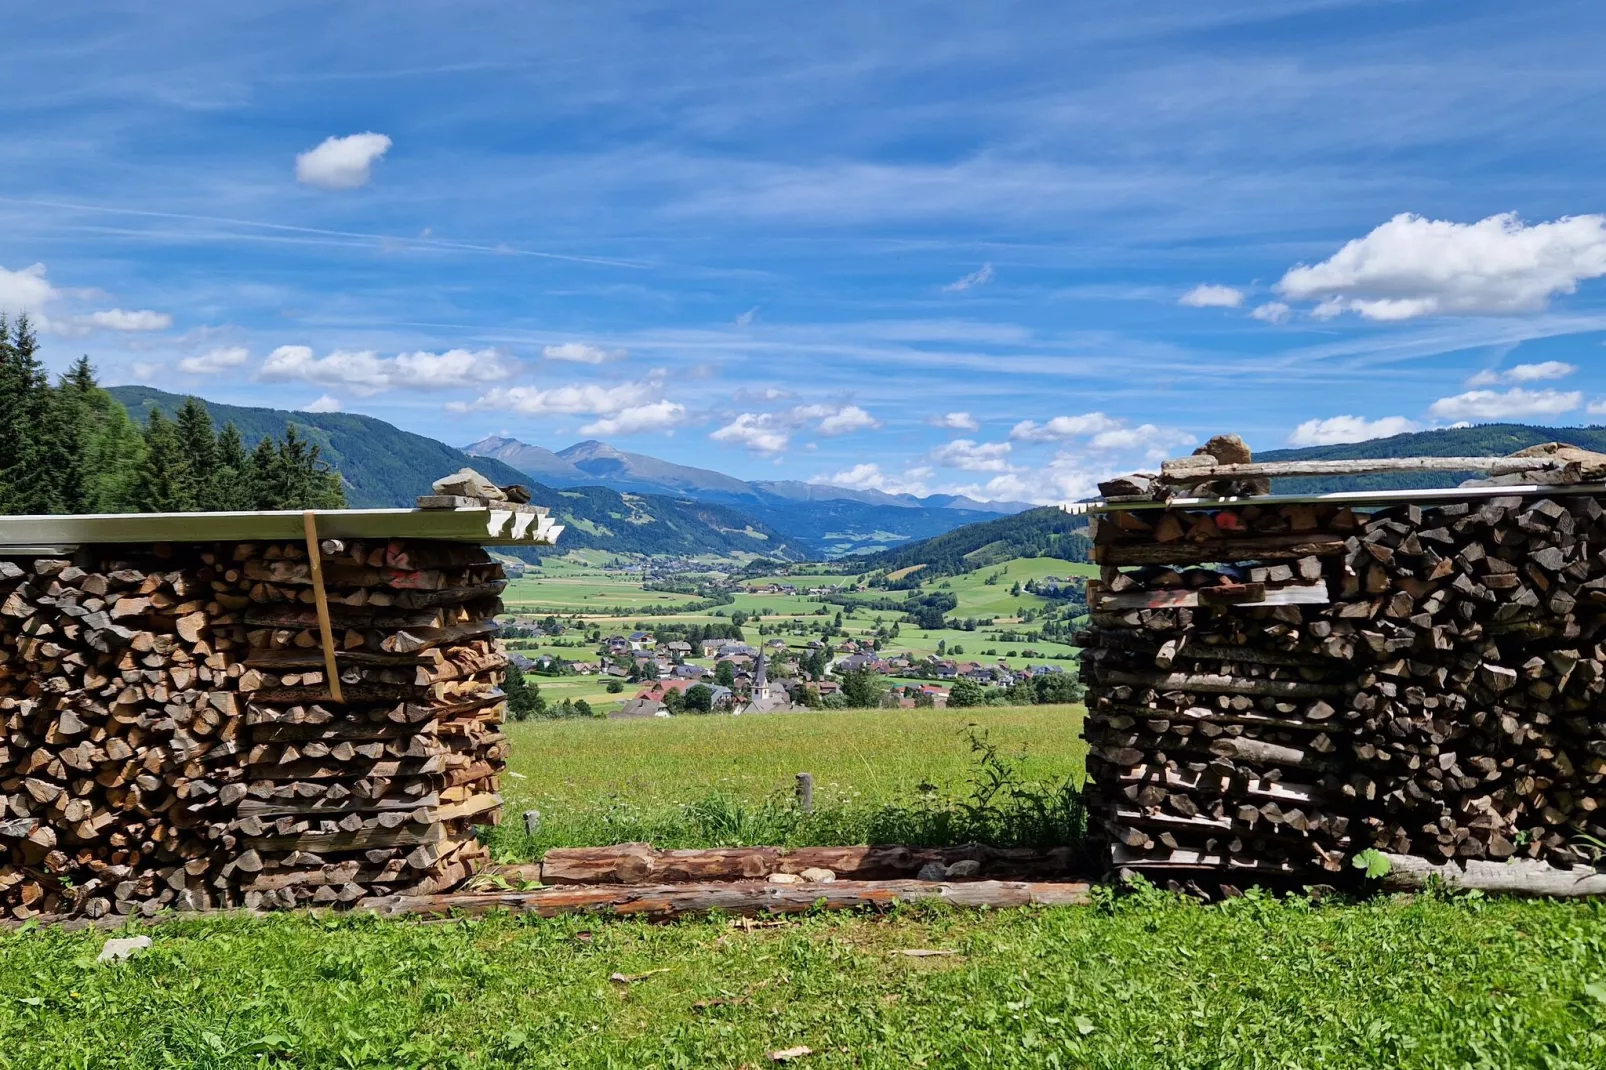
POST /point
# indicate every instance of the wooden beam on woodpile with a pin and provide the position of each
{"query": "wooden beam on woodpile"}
(1287, 547)
(1186, 470)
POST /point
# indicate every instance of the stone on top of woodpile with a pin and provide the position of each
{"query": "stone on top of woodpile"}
(467, 487)
(467, 483)
(1555, 463)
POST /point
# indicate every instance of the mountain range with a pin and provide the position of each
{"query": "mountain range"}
(591, 462)
(829, 521)
(632, 503)
(609, 499)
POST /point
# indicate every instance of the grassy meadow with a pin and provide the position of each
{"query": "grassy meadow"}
(722, 781)
(1147, 982)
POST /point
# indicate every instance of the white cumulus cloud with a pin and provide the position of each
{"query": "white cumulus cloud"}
(756, 431)
(639, 419)
(214, 360)
(323, 403)
(587, 398)
(962, 453)
(1272, 312)
(26, 290)
(980, 277)
(1505, 405)
(1524, 373)
(117, 319)
(1063, 427)
(342, 162)
(366, 372)
(846, 420)
(869, 476)
(1336, 429)
(580, 353)
(955, 421)
(1412, 266)
(1153, 440)
(1210, 295)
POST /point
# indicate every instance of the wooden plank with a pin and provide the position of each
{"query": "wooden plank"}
(1237, 594)
(326, 631)
(1287, 547)
(1182, 472)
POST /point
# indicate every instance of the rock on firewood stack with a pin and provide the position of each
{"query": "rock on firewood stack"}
(1425, 679)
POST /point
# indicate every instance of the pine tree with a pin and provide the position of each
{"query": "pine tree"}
(260, 483)
(25, 485)
(113, 458)
(73, 415)
(229, 490)
(198, 443)
(163, 485)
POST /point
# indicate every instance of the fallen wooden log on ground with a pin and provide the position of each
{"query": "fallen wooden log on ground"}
(668, 901)
(641, 863)
(1523, 877)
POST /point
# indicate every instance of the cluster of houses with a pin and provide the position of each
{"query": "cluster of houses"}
(789, 588)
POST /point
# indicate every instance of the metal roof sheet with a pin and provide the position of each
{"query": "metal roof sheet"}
(492, 525)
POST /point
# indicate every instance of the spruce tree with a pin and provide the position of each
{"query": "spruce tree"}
(198, 442)
(114, 457)
(164, 482)
(229, 487)
(260, 485)
(25, 484)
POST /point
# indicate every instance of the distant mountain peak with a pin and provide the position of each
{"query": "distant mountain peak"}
(590, 449)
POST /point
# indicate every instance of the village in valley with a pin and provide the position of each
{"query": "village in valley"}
(696, 639)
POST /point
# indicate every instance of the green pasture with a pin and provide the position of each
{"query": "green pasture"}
(709, 781)
(1143, 984)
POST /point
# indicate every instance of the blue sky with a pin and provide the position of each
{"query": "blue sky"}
(1003, 248)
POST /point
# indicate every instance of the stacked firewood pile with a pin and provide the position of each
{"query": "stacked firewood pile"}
(1423, 679)
(171, 738)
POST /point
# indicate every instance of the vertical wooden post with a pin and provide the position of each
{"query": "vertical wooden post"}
(805, 792)
(326, 632)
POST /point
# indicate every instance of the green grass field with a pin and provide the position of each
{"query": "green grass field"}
(719, 781)
(1139, 981)
(1253, 984)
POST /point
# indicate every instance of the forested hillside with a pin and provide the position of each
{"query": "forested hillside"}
(380, 465)
(1483, 440)
(70, 447)
(1045, 532)
(384, 466)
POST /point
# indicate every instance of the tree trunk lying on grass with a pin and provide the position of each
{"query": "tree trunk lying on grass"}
(641, 863)
(668, 901)
(1408, 873)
